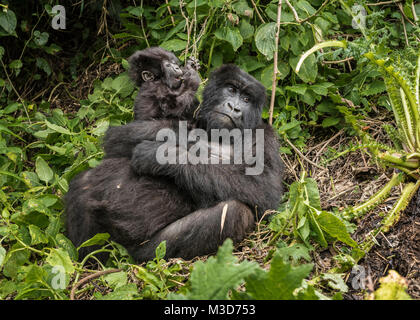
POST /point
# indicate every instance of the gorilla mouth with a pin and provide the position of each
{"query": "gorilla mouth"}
(227, 116)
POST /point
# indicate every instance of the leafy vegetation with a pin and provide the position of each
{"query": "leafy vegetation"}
(60, 91)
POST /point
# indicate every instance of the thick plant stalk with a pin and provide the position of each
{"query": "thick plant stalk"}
(411, 111)
(376, 199)
(393, 216)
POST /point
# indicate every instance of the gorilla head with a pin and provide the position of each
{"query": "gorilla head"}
(153, 64)
(166, 89)
(232, 99)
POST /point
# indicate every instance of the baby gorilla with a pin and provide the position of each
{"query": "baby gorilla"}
(141, 202)
(166, 89)
(166, 95)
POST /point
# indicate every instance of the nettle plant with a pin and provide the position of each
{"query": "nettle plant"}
(401, 78)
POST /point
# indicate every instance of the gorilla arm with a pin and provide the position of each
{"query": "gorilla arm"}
(120, 141)
(211, 183)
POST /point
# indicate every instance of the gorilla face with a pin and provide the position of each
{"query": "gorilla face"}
(232, 99)
(172, 73)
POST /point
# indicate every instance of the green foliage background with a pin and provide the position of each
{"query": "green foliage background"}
(45, 141)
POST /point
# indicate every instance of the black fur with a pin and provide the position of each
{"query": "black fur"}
(156, 99)
(145, 203)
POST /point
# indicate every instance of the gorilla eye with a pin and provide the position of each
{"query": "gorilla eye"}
(231, 89)
(246, 99)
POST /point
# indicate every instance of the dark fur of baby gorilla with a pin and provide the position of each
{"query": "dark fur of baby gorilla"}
(141, 203)
(170, 92)
(162, 100)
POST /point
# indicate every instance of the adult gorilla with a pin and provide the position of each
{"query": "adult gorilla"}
(141, 202)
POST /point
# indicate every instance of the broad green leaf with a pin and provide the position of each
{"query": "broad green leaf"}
(66, 244)
(37, 235)
(123, 85)
(60, 258)
(57, 128)
(174, 45)
(8, 21)
(246, 29)
(116, 279)
(335, 281)
(335, 228)
(41, 38)
(161, 250)
(231, 35)
(43, 171)
(265, 39)
(97, 239)
(214, 278)
(330, 121)
(308, 70)
(279, 283)
(312, 193)
(297, 88)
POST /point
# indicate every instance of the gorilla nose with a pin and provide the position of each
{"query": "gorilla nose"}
(236, 111)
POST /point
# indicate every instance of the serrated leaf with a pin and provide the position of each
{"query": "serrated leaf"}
(43, 171)
(279, 283)
(214, 278)
(335, 228)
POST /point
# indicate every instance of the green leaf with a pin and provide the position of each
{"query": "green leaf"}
(174, 45)
(231, 35)
(37, 235)
(43, 171)
(393, 287)
(125, 292)
(279, 283)
(265, 39)
(161, 250)
(8, 21)
(335, 228)
(43, 65)
(308, 70)
(214, 278)
(97, 239)
(60, 258)
(2, 255)
(41, 38)
(116, 279)
(57, 128)
(123, 85)
(330, 121)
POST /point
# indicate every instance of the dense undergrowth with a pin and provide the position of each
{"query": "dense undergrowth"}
(61, 89)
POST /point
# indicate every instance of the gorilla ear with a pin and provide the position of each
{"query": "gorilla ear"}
(147, 76)
(143, 67)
